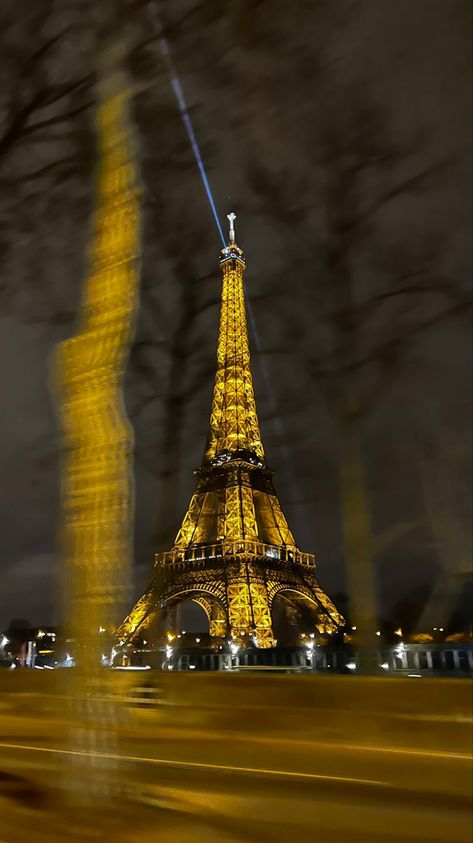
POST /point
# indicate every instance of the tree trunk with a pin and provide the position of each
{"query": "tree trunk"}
(452, 541)
(358, 544)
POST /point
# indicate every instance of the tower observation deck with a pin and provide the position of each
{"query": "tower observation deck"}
(234, 552)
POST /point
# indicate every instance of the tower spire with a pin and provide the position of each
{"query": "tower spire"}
(234, 428)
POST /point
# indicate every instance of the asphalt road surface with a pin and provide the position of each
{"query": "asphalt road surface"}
(178, 785)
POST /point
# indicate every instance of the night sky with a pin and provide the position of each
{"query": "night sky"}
(280, 95)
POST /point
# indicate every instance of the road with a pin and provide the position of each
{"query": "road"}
(196, 785)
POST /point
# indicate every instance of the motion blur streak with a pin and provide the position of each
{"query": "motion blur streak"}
(98, 485)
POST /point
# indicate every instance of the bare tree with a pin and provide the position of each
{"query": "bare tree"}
(362, 327)
(46, 156)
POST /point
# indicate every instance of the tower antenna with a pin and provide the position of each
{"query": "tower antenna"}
(232, 217)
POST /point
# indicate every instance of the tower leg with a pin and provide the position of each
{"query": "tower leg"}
(248, 609)
(171, 620)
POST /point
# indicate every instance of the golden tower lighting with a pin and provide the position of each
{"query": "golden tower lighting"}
(234, 552)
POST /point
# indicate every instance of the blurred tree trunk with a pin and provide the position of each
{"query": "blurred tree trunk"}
(347, 403)
(445, 506)
(358, 541)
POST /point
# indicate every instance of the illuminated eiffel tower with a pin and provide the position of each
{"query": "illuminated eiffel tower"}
(234, 552)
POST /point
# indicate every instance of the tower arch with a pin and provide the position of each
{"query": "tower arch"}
(209, 602)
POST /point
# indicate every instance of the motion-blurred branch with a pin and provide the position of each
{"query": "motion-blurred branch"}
(401, 188)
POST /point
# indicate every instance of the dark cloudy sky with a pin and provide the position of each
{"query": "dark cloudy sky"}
(276, 90)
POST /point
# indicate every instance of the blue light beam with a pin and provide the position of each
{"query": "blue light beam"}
(181, 101)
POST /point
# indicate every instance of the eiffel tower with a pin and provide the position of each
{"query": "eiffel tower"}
(234, 552)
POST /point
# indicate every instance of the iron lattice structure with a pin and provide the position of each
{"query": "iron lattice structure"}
(234, 552)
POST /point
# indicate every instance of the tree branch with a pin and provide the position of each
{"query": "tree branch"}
(167, 29)
(410, 333)
(58, 118)
(402, 187)
(71, 159)
(432, 285)
(18, 122)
